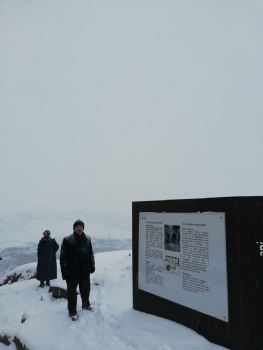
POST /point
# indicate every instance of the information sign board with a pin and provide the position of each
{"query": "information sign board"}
(182, 258)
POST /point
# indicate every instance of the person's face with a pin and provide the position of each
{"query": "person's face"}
(79, 229)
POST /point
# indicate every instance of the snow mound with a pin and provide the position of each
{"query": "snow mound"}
(113, 324)
(20, 273)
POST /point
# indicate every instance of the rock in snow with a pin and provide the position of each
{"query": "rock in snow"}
(113, 324)
(20, 273)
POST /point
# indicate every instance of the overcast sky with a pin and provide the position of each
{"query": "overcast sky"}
(108, 102)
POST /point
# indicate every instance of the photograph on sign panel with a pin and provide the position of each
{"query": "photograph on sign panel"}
(172, 264)
(172, 238)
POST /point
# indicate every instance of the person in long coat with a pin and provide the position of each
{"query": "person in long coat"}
(47, 263)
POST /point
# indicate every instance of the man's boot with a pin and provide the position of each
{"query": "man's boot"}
(74, 317)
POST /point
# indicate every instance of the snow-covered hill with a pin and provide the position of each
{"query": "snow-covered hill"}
(20, 232)
(113, 324)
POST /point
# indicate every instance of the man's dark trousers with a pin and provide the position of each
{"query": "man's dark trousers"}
(84, 288)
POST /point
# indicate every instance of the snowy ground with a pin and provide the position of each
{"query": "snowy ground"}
(113, 324)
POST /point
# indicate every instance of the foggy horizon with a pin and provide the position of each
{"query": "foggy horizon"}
(106, 103)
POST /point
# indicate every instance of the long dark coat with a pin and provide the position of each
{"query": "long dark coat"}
(47, 263)
(76, 257)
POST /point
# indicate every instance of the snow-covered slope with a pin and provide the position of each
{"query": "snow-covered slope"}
(113, 324)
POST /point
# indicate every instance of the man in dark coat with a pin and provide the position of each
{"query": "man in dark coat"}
(47, 263)
(77, 263)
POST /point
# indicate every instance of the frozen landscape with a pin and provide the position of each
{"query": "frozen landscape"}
(20, 232)
(104, 103)
(112, 325)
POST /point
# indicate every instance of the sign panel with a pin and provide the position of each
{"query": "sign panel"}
(182, 258)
